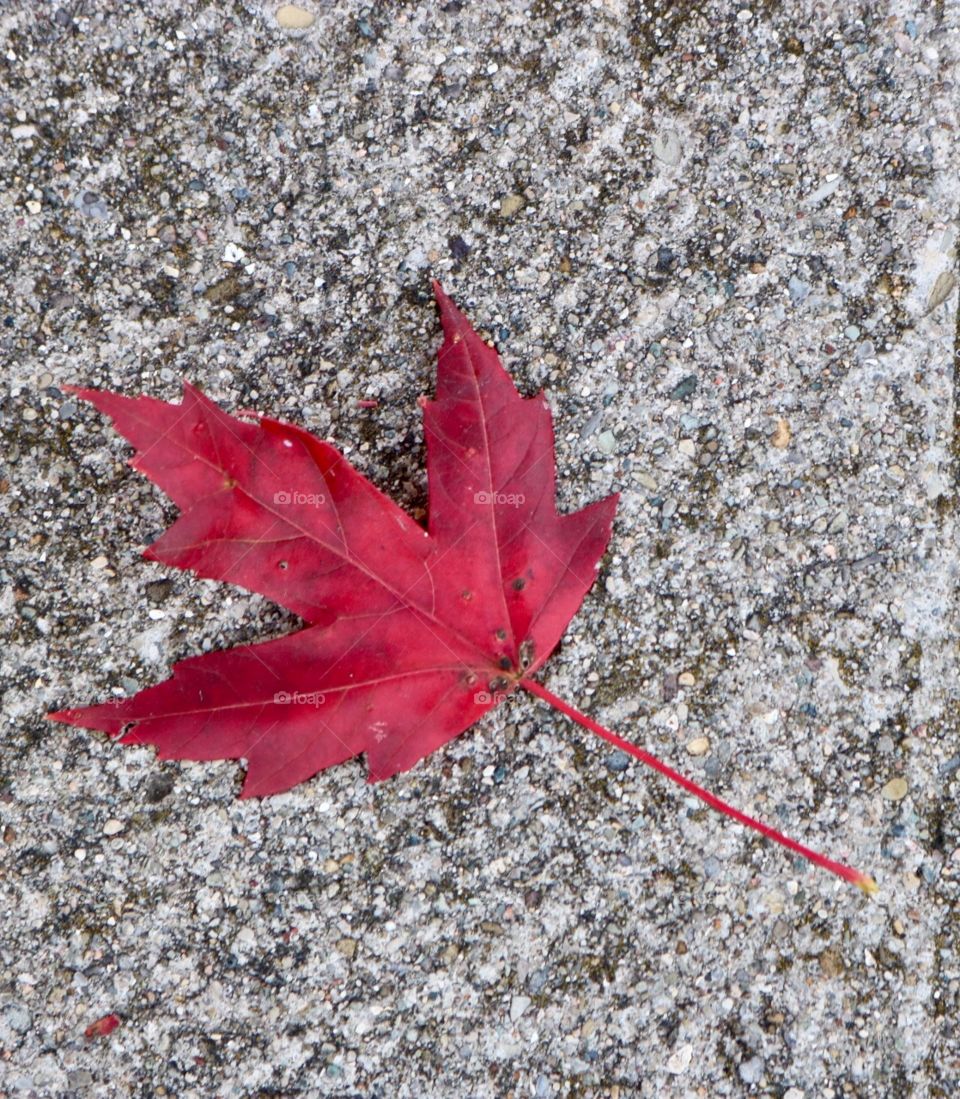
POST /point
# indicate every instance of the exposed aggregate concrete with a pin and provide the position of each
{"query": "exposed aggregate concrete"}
(723, 238)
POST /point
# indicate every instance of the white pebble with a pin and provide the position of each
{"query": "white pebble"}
(680, 1061)
(293, 18)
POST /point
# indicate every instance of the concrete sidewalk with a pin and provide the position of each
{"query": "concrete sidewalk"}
(722, 238)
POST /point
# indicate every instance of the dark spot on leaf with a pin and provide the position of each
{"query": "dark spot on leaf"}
(281, 564)
(505, 663)
(497, 684)
(501, 635)
(519, 584)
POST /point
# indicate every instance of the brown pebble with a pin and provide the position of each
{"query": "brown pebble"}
(781, 436)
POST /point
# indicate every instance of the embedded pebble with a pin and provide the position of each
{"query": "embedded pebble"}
(245, 940)
(667, 147)
(684, 388)
(592, 424)
(699, 746)
(712, 867)
(511, 204)
(291, 17)
(607, 442)
(895, 789)
(91, 205)
(679, 1060)
(18, 1018)
(113, 827)
(942, 289)
(751, 1071)
(618, 761)
(782, 435)
(798, 290)
(518, 1005)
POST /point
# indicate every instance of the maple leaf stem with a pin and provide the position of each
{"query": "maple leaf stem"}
(855, 877)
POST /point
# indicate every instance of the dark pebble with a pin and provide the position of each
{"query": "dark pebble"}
(459, 248)
(158, 590)
(685, 388)
(618, 761)
(538, 980)
(157, 787)
(950, 766)
(666, 259)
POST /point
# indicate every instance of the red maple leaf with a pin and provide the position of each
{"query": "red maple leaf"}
(413, 634)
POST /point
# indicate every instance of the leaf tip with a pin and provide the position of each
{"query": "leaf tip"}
(444, 302)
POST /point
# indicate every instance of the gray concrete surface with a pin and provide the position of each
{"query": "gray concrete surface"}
(722, 236)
